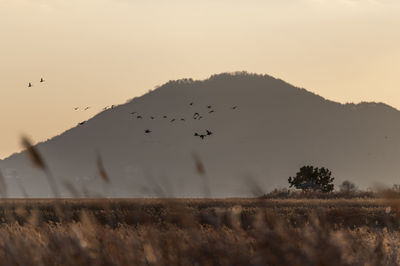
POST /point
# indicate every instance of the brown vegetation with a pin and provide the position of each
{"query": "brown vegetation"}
(200, 232)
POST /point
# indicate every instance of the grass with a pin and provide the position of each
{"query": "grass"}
(280, 228)
(200, 232)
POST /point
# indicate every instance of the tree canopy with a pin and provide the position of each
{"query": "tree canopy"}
(313, 178)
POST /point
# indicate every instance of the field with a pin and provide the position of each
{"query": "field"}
(200, 232)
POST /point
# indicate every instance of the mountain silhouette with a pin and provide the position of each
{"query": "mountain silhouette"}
(277, 129)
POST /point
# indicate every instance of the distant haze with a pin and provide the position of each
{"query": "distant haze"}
(254, 132)
(102, 52)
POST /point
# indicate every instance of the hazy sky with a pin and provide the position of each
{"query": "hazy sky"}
(102, 52)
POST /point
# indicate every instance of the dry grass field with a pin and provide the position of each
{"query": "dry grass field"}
(200, 232)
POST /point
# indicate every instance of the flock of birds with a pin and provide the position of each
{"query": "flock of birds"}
(196, 116)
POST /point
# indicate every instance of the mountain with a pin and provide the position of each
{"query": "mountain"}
(274, 130)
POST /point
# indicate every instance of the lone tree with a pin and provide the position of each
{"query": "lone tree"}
(312, 178)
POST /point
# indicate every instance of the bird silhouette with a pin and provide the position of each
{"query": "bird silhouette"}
(41, 80)
(173, 120)
(200, 117)
(182, 119)
(196, 115)
(87, 108)
(152, 117)
(147, 131)
(202, 136)
(196, 134)
(139, 117)
(234, 107)
(30, 85)
(132, 113)
(76, 108)
(209, 132)
(209, 106)
(191, 103)
(212, 111)
(164, 116)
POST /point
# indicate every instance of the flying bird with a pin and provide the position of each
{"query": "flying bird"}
(191, 103)
(182, 119)
(147, 131)
(164, 116)
(234, 107)
(202, 136)
(87, 108)
(196, 134)
(209, 133)
(152, 117)
(212, 111)
(172, 120)
(132, 113)
(30, 85)
(196, 115)
(41, 80)
(139, 117)
(209, 106)
(76, 108)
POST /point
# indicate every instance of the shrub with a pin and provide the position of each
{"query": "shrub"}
(347, 187)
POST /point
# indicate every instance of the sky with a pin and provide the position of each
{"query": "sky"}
(102, 52)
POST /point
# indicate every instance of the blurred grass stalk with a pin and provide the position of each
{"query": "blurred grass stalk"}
(37, 161)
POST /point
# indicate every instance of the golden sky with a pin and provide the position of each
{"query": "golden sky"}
(102, 52)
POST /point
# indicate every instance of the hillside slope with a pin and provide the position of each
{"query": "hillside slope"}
(274, 129)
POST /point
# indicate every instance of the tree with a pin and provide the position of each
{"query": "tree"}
(313, 178)
(347, 187)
